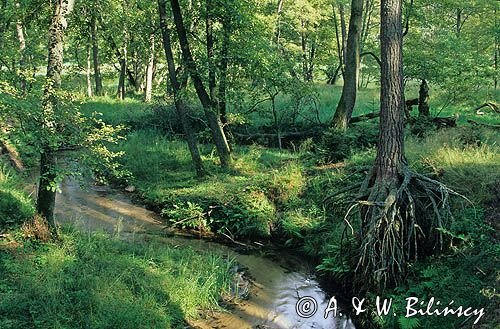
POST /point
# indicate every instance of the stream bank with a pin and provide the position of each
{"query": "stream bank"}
(273, 291)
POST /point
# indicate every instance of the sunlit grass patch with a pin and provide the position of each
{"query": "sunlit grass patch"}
(98, 281)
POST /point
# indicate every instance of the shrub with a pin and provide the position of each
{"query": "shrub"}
(338, 145)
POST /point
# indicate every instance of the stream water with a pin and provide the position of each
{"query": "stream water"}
(273, 289)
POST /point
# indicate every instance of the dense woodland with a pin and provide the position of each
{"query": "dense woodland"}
(361, 135)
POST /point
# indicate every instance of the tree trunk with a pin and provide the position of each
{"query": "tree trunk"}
(379, 218)
(423, 99)
(278, 22)
(22, 60)
(88, 71)
(210, 51)
(343, 31)
(46, 192)
(303, 43)
(121, 79)
(150, 69)
(95, 54)
(209, 106)
(223, 66)
(339, 42)
(180, 106)
(347, 101)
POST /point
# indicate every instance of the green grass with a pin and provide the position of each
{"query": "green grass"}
(98, 281)
(15, 205)
(241, 200)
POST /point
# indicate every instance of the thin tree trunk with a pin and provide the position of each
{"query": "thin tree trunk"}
(150, 69)
(209, 106)
(339, 43)
(303, 43)
(210, 51)
(122, 89)
(278, 22)
(46, 192)
(95, 54)
(458, 26)
(121, 79)
(118, 54)
(347, 101)
(223, 66)
(88, 71)
(312, 56)
(180, 106)
(343, 30)
(22, 59)
(423, 99)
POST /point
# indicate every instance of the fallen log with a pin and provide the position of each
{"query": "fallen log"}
(291, 134)
(364, 117)
(492, 106)
(475, 123)
(445, 122)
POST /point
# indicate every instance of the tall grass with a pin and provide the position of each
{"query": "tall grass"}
(98, 281)
(15, 205)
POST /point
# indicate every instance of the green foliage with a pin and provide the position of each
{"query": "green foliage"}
(338, 145)
(98, 281)
(15, 206)
(188, 215)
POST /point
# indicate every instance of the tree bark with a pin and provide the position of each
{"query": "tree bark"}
(46, 193)
(209, 106)
(343, 31)
(339, 42)
(88, 71)
(95, 53)
(377, 263)
(223, 67)
(22, 59)
(347, 101)
(180, 106)
(210, 51)
(423, 99)
(148, 93)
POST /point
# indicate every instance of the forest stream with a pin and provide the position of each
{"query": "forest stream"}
(273, 289)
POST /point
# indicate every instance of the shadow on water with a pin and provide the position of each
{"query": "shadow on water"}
(273, 290)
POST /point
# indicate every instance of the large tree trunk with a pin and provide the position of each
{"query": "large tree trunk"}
(46, 192)
(95, 53)
(209, 106)
(180, 106)
(347, 101)
(380, 266)
(148, 93)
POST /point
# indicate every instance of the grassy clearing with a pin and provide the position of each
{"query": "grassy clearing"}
(98, 281)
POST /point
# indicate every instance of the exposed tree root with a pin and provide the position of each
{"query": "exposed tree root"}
(400, 220)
